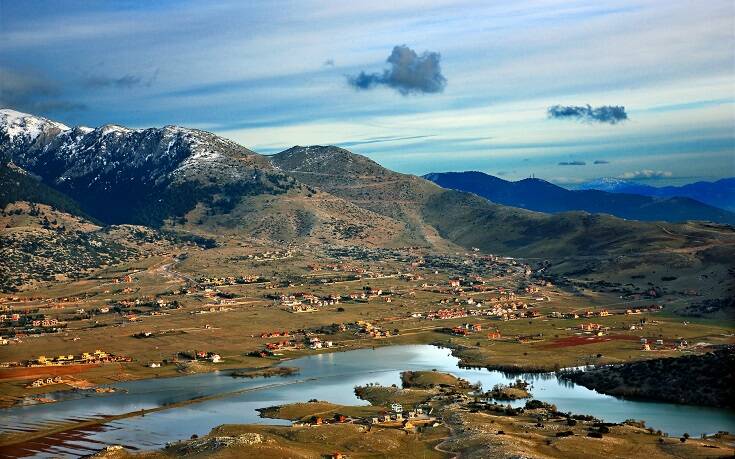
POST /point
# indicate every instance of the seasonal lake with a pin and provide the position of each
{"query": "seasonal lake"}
(330, 377)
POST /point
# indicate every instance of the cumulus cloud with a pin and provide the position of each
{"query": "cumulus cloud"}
(572, 163)
(601, 161)
(408, 73)
(645, 174)
(610, 114)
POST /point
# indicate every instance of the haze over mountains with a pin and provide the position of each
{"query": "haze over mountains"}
(542, 196)
(193, 181)
(720, 193)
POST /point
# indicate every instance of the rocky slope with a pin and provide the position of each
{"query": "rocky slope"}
(40, 243)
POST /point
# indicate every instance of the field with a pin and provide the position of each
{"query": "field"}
(236, 320)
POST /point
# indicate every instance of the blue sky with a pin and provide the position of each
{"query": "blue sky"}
(274, 74)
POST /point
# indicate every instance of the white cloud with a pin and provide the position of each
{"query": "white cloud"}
(646, 174)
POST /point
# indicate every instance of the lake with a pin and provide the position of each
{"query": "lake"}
(329, 376)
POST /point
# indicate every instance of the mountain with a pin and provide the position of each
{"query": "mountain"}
(542, 196)
(188, 180)
(144, 176)
(181, 178)
(720, 193)
(433, 214)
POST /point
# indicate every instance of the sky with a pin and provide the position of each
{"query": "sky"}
(567, 91)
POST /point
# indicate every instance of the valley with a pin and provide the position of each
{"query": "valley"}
(135, 258)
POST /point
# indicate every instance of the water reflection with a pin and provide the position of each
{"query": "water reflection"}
(329, 377)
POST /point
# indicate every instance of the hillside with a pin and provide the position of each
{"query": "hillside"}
(466, 219)
(181, 178)
(40, 243)
(706, 379)
(22, 186)
(366, 184)
(720, 193)
(542, 196)
(185, 179)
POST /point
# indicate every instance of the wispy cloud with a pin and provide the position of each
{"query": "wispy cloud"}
(382, 139)
(572, 163)
(610, 114)
(126, 81)
(409, 73)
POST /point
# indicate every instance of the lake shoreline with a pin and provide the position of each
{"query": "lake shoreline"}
(408, 357)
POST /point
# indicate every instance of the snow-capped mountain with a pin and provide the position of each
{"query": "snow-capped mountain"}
(114, 166)
(615, 185)
(19, 131)
(720, 193)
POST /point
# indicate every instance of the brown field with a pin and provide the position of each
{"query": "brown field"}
(582, 340)
(39, 372)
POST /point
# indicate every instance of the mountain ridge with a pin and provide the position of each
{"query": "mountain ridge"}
(539, 195)
(720, 193)
(189, 180)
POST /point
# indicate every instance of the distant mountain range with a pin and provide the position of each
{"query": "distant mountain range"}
(718, 194)
(193, 182)
(542, 196)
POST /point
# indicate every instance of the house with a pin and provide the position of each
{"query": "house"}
(314, 342)
(493, 335)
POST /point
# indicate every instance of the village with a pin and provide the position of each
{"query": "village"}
(342, 298)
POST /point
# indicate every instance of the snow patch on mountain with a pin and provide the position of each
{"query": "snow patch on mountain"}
(16, 124)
